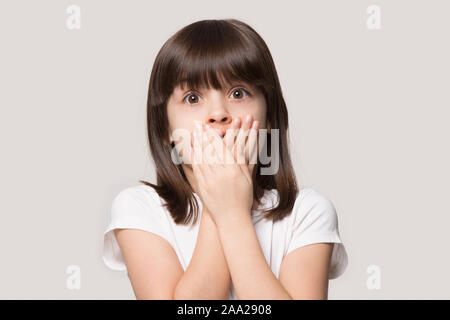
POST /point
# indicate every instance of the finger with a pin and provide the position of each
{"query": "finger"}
(208, 153)
(231, 133)
(188, 149)
(252, 145)
(229, 140)
(239, 146)
(216, 145)
(197, 155)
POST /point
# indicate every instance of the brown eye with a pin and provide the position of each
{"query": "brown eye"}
(239, 93)
(191, 99)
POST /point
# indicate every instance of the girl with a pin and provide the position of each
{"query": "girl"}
(215, 229)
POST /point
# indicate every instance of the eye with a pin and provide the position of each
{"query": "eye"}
(239, 93)
(191, 97)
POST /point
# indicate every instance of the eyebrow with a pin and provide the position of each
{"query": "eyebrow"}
(232, 84)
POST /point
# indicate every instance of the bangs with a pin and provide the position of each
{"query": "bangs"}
(213, 54)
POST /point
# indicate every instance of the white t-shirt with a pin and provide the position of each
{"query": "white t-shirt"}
(313, 220)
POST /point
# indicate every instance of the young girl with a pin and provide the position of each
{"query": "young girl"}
(216, 229)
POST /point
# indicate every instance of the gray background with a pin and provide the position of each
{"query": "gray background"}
(368, 112)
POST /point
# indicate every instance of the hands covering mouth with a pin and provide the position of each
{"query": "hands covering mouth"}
(224, 163)
(239, 138)
(220, 132)
(236, 125)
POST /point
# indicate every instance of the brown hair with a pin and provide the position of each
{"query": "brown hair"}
(203, 54)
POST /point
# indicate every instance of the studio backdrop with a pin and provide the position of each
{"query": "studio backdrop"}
(366, 84)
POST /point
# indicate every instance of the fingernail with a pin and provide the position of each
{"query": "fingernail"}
(248, 119)
(198, 126)
(236, 121)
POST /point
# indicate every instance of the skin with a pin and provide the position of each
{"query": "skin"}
(216, 109)
(227, 246)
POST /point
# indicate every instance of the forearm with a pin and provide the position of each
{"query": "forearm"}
(207, 276)
(252, 276)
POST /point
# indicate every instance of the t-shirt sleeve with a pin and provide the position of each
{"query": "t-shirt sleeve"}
(130, 209)
(315, 221)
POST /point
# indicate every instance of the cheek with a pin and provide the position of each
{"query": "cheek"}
(182, 120)
(181, 130)
(258, 111)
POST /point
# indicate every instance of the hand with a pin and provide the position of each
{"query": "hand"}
(251, 147)
(224, 179)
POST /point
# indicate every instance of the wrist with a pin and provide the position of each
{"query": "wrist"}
(233, 218)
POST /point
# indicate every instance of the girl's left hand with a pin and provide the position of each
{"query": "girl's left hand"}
(224, 179)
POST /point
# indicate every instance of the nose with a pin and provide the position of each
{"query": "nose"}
(220, 120)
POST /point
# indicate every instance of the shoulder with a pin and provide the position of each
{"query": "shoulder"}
(140, 193)
(310, 197)
(313, 205)
(314, 220)
(137, 207)
(137, 200)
